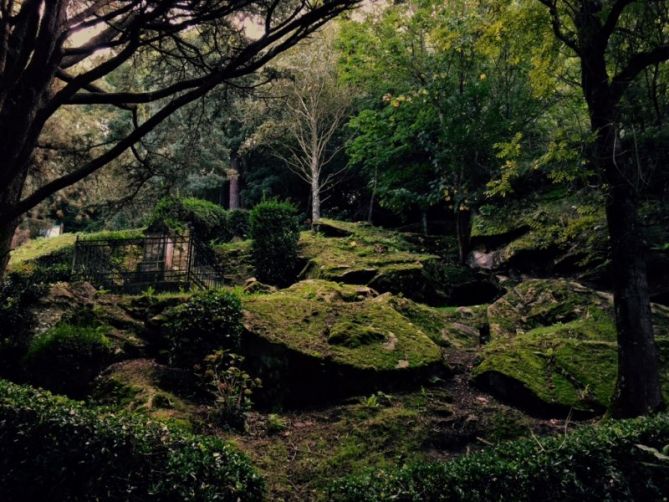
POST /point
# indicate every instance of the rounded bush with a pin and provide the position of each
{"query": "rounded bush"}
(67, 358)
(275, 232)
(57, 449)
(207, 220)
(209, 321)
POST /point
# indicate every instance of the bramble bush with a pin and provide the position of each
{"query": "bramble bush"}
(209, 321)
(275, 233)
(612, 461)
(209, 221)
(239, 223)
(57, 449)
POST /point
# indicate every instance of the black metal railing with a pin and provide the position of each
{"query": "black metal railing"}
(161, 261)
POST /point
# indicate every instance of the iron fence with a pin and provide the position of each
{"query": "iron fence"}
(160, 261)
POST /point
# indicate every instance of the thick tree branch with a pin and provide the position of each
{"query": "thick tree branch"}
(635, 66)
(614, 16)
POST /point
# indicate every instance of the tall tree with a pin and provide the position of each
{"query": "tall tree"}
(305, 120)
(615, 41)
(56, 53)
(448, 91)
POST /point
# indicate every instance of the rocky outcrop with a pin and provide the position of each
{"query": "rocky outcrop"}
(553, 347)
(80, 303)
(319, 340)
(390, 262)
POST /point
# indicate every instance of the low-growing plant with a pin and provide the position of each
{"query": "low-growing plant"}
(57, 449)
(209, 321)
(275, 424)
(275, 233)
(600, 462)
(68, 357)
(231, 388)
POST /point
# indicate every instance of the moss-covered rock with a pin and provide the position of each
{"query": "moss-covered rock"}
(142, 385)
(357, 253)
(553, 232)
(81, 304)
(553, 347)
(456, 327)
(388, 261)
(319, 340)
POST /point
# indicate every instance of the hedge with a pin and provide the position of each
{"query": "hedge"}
(275, 233)
(602, 462)
(57, 449)
(67, 358)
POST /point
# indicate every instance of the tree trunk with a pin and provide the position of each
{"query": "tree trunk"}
(315, 200)
(372, 200)
(7, 230)
(638, 383)
(463, 230)
(8, 200)
(423, 221)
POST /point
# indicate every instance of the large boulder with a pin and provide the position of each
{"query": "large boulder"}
(319, 340)
(357, 253)
(553, 347)
(558, 233)
(550, 233)
(417, 267)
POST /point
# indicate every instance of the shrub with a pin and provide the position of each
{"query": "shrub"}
(602, 462)
(57, 449)
(209, 321)
(239, 223)
(275, 233)
(67, 358)
(17, 293)
(207, 220)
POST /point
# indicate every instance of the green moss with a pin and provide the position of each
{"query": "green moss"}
(570, 226)
(131, 233)
(558, 340)
(355, 333)
(356, 439)
(572, 364)
(304, 316)
(38, 248)
(136, 386)
(536, 303)
(367, 253)
(457, 327)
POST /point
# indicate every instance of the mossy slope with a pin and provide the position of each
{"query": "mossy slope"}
(340, 323)
(318, 341)
(358, 253)
(142, 385)
(553, 346)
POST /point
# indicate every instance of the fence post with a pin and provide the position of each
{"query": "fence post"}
(74, 257)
